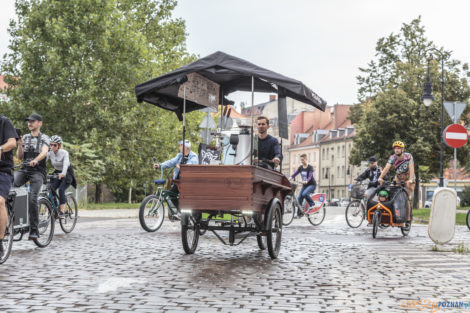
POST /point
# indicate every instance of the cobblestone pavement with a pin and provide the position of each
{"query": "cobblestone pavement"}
(112, 265)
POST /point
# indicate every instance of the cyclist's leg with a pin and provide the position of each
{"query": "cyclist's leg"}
(5, 185)
(62, 199)
(309, 190)
(36, 179)
(175, 189)
(21, 178)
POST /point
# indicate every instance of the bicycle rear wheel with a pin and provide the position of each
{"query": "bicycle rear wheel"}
(152, 213)
(71, 214)
(46, 223)
(354, 214)
(289, 210)
(7, 241)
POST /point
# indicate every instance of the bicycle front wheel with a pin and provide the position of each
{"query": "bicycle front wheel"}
(152, 213)
(7, 241)
(317, 217)
(71, 214)
(354, 214)
(289, 210)
(46, 223)
(468, 219)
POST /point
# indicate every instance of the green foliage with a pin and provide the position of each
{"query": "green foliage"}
(465, 197)
(390, 107)
(76, 62)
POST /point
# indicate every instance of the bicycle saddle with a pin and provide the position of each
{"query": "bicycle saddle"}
(159, 181)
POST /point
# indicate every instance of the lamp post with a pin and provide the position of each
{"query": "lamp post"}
(427, 100)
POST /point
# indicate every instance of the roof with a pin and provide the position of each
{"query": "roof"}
(230, 74)
(3, 85)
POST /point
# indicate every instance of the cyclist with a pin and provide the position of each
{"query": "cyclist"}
(61, 163)
(33, 150)
(8, 138)
(404, 167)
(308, 183)
(191, 158)
(372, 173)
(268, 147)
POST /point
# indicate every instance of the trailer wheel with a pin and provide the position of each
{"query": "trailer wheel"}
(189, 233)
(274, 230)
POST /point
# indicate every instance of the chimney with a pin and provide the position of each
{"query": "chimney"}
(272, 98)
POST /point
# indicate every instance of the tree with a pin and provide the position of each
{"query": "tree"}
(76, 62)
(390, 107)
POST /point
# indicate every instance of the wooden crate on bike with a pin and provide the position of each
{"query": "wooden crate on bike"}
(230, 187)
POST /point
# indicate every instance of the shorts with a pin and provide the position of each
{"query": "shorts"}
(6, 181)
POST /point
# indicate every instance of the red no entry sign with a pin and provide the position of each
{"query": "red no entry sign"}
(455, 136)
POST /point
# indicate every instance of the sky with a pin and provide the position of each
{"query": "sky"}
(321, 43)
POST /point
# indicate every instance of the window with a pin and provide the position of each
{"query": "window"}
(342, 171)
(309, 160)
(344, 154)
(314, 157)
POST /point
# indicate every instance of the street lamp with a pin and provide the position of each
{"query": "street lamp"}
(427, 100)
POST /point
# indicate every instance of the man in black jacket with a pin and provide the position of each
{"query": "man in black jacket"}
(373, 174)
(269, 149)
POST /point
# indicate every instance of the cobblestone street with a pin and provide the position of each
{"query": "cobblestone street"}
(113, 265)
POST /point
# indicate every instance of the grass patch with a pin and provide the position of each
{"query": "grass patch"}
(110, 205)
(422, 216)
(461, 249)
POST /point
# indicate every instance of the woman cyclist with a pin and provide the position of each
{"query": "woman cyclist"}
(308, 182)
(61, 163)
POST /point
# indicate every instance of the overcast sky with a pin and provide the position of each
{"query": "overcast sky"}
(321, 43)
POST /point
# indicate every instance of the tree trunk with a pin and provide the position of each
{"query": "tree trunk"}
(130, 193)
(416, 193)
(98, 193)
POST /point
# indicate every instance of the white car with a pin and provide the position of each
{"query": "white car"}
(344, 202)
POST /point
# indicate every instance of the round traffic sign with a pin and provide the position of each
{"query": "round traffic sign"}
(455, 136)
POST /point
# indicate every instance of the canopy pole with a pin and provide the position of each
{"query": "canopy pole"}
(183, 158)
(252, 121)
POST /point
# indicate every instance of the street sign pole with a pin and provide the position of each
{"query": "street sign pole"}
(455, 109)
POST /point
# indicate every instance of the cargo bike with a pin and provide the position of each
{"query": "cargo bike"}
(394, 212)
(18, 223)
(244, 198)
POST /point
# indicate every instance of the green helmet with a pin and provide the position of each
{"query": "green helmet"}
(383, 193)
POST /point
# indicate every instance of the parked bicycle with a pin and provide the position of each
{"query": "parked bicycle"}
(356, 211)
(68, 219)
(315, 216)
(153, 207)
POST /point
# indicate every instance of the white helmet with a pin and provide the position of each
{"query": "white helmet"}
(56, 139)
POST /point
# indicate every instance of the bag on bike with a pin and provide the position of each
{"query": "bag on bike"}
(400, 207)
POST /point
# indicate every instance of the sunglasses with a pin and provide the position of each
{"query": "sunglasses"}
(54, 145)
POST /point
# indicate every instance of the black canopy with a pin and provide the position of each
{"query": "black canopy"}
(232, 74)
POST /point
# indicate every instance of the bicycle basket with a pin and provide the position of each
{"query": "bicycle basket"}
(357, 192)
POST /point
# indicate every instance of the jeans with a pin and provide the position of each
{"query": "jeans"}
(35, 179)
(62, 185)
(305, 193)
